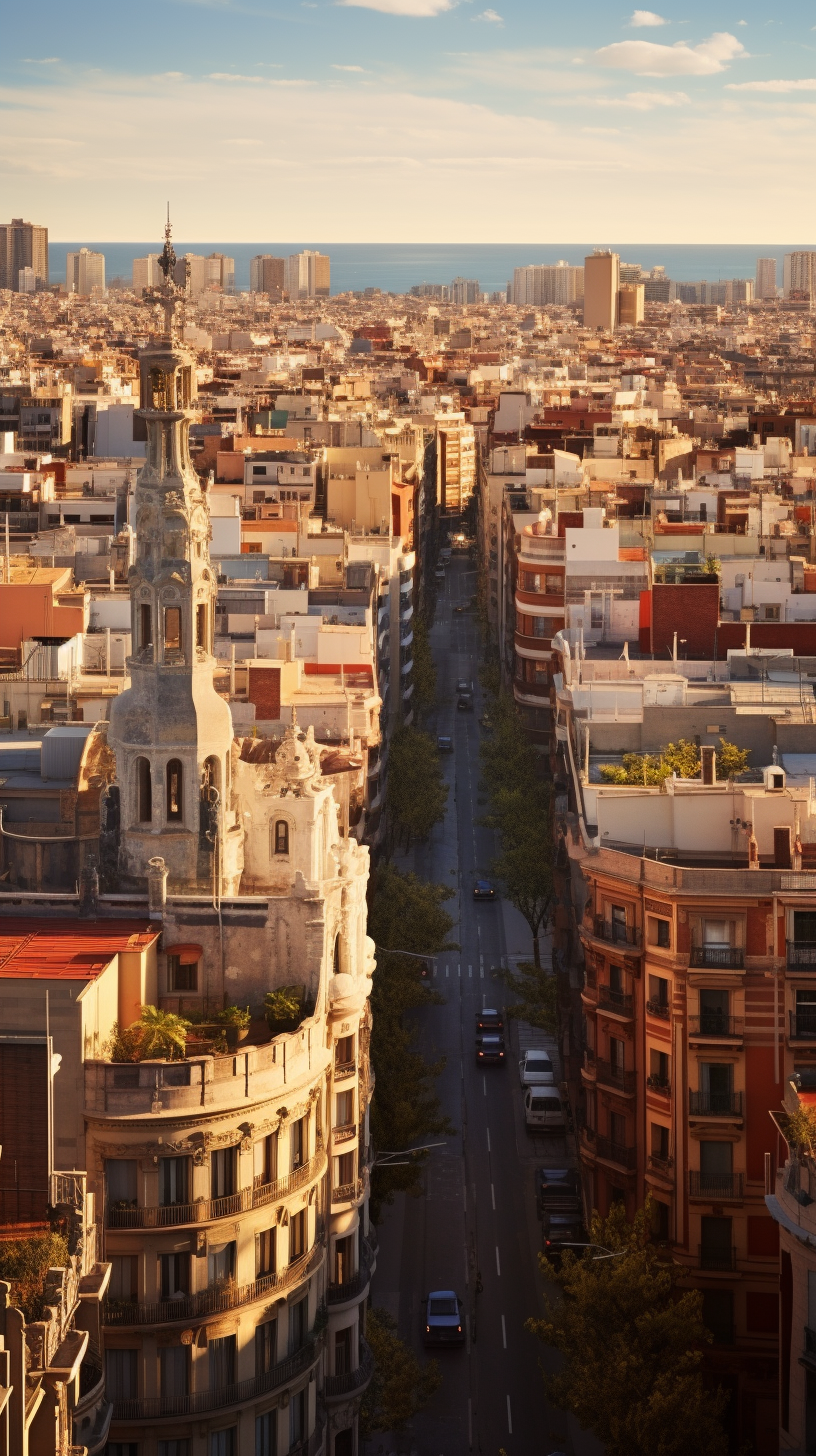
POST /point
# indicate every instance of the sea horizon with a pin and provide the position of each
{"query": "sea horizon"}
(397, 267)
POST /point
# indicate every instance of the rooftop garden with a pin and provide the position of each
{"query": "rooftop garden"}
(161, 1035)
(24, 1263)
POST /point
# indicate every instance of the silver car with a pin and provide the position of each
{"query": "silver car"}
(535, 1069)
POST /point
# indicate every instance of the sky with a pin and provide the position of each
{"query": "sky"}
(411, 120)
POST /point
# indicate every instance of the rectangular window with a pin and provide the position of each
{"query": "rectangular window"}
(223, 1172)
(344, 1171)
(617, 1129)
(717, 1085)
(121, 1374)
(616, 1053)
(297, 1418)
(618, 917)
(660, 1141)
(181, 976)
(718, 1314)
(174, 1370)
(174, 1275)
(715, 1243)
(124, 1280)
(342, 1351)
(265, 1253)
(224, 1443)
(554, 585)
(221, 1354)
(172, 1448)
(298, 1323)
(265, 1160)
(201, 625)
(297, 1234)
(596, 612)
(174, 1180)
(120, 1182)
(221, 1263)
(713, 1011)
(343, 1259)
(344, 1111)
(658, 991)
(663, 934)
(172, 629)
(146, 625)
(344, 1052)
(266, 1434)
(298, 1142)
(266, 1346)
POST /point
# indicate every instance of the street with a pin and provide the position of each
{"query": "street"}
(475, 1228)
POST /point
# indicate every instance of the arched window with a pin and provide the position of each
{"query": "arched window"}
(172, 629)
(175, 806)
(281, 838)
(144, 791)
(145, 625)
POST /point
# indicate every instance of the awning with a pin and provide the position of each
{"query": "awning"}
(187, 955)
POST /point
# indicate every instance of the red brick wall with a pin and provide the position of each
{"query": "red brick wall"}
(23, 1133)
(761, 1094)
(801, 636)
(264, 691)
(691, 609)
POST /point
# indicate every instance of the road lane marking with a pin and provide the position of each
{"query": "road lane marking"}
(459, 970)
(470, 1423)
(509, 1417)
(466, 1265)
(484, 1084)
(481, 972)
(447, 972)
(498, 1265)
(493, 1197)
(470, 970)
(487, 1130)
(504, 1333)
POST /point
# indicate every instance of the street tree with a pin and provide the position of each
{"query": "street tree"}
(535, 990)
(424, 669)
(417, 793)
(632, 1343)
(400, 1385)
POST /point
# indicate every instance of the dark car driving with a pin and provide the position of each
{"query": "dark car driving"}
(490, 1048)
(443, 1319)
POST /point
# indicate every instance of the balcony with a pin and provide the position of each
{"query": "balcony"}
(616, 1153)
(616, 1002)
(609, 1076)
(802, 954)
(724, 1260)
(658, 1008)
(354, 1286)
(656, 1083)
(343, 1070)
(614, 932)
(662, 1166)
(214, 1300)
(589, 1065)
(154, 1407)
(337, 1387)
(347, 1192)
(715, 1027)
(715, 1104)
(713, 1187)
(207, 1210)
(342, 1134)
(717, 957)
(803, 1025)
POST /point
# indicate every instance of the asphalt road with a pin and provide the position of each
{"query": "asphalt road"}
(474, 1229)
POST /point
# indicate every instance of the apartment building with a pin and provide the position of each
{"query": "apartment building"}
(455, 463)
(540, 284)
(790, 1200)
(146, 273)
(765, 285)
(601, 285)
(798, 275)
(85, 272)
(308, 275)
(267, 275)
(693, 906)
(23, 246)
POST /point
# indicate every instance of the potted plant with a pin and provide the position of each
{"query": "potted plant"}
(162, 1034)
(284, 1008)
(235, 1021)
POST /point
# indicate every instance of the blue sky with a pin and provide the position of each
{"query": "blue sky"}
(409, 120)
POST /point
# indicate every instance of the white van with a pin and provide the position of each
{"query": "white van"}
(543, 1109)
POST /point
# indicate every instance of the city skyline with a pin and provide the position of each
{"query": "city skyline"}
(661, 126)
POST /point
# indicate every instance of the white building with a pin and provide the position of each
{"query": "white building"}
(307, 275)
(798, 275)
(146, 273)
(85, 272)
(540, 284)
(766, 278)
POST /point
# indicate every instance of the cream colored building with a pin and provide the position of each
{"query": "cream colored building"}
(631, 304)
(601, 284)
(85, 272)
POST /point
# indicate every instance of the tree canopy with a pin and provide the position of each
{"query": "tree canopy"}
(417, 793)
(632, 1346)
(406, 914)
(681, 758)
(424, 668)
(400, 1385)
(535, 989)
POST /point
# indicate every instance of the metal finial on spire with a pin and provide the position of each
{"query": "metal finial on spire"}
(169, 294)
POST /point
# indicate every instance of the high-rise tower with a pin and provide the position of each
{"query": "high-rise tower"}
(170, 731)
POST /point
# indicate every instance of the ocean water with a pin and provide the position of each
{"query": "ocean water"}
(396, 267)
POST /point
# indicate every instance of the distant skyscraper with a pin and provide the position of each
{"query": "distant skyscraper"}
(221, 272)
(146, 273)
(601, 284)
(26, 281)
(465, 290)
(766, 278)
(307, 275)
(631, 297)
(22, 245)
(538, 284)
(85, 272)
(798, 275)
(267, 275)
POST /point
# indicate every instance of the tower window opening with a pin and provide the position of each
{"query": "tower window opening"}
(174, 789)
(281, 837)
(172, 629)
(201, 626)
(146, 625)
(144, 791)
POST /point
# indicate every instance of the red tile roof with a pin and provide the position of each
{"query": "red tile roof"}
(73, 950)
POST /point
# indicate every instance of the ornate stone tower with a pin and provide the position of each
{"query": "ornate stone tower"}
(170, 731)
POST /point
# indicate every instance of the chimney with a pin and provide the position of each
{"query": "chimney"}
(708, 764)
(782, 846)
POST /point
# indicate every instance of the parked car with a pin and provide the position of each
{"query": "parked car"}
(535, 1066)
(543, 1110)
(464, 703)
(490, 1048)
(489, 1019)
(483, 890)
(443, 1319)
(439, 574)
(444, 743)
(553, 1185)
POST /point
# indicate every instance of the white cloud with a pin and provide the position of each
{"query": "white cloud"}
(645, 17)
(233, 76)
(646, 58)
(361, 69)
(492, 16)
(777, 86)
(415, 9)
(645, 100)
(41, 60)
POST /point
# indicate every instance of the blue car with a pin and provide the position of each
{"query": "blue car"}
(483, 890)
(443, 1319)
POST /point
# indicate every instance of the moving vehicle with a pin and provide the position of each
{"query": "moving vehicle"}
(490, 1048)
(489, 1019)
(443, 1319)
(463, 686)
(444, 743)
(483, 890)
(560, 1208)
(543, 1110)
(535, 1067)
(464, 703)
